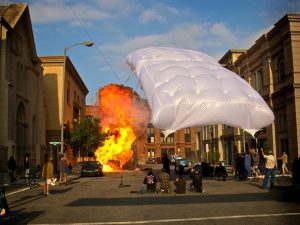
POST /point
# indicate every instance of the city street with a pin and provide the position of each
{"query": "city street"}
(110, 200)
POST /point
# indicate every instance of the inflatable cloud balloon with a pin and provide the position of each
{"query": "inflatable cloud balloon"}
(186, 88)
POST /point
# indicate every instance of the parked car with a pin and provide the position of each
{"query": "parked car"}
(206, 169)
(182, 166)
(156, 160)
(91, 168)
(150, 161)
(173, 158)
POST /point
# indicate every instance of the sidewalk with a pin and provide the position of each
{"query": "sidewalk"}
(20, 183)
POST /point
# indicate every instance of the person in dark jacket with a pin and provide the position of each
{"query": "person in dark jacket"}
(12, 166)
(166, 163)
(180, 184)
(150, 182)
(221, 172)
(240, 167)
(196, 185)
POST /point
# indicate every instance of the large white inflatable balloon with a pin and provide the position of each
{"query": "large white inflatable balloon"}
(186, 88)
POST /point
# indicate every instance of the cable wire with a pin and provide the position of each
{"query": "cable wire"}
(92, 39)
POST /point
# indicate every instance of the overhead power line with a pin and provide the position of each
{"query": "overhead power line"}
(92, 39)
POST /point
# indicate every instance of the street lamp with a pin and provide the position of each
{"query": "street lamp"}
(87, 44)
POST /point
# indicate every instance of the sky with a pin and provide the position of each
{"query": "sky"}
(118, 27)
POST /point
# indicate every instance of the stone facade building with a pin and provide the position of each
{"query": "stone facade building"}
(75, 93)
(31, 93)
(272, 67)
(22, 122)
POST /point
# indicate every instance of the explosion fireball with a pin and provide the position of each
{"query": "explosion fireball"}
(124, 115)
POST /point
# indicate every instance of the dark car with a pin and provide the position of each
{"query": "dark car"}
(182, 166)
(206, 169)
(92, 168)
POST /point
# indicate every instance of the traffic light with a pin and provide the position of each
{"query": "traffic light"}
(66, 131)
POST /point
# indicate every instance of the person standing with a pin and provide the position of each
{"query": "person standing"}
(26, 168)
(269, 170)
(261, 163)
(248, 170)
(166, 163)
(240, 167)
(255, 163)
(284, 159)
(62, 168)
(12, 166)
(196, 184)
(47, 173)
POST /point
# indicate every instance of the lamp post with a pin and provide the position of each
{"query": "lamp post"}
(87, 44)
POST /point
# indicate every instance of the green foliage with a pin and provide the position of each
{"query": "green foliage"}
(214, 156)
(86, 134)
(266, 145)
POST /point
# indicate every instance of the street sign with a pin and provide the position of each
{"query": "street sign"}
(54, 143)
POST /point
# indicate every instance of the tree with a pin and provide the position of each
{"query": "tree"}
(86, 135)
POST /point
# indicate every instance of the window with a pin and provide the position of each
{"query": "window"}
(258, 81)
(150, 133)
(151, 153)
(76, 112)
(168, 139)
(171, 151)
(282, 120)
(164, 151)
(188, 153)
(280, 69)
(68, 93)
(187, 135)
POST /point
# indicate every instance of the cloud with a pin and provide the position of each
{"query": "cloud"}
(77, 23)
(52, 11)
(118, 6)
(192, 36)
(158, 13)
(151, 15)
(209, 38)
(220, 31)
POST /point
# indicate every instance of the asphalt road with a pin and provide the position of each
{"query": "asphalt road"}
(109, 200)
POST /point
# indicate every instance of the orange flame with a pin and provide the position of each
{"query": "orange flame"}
(123, 116)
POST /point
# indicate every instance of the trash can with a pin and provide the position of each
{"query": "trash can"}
(296, 172)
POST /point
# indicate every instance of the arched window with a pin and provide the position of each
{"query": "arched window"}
(280, 69)
(150, 133)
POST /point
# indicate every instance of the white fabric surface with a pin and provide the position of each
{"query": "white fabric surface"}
(186, 88)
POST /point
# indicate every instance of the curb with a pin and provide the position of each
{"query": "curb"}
(21, 185)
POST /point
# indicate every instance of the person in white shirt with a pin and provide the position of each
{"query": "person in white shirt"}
(270, 170)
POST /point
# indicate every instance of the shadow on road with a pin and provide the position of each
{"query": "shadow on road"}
(153, 199)
(22, 218)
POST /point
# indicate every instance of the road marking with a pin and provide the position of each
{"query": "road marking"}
(182, 220)
(15, 192)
